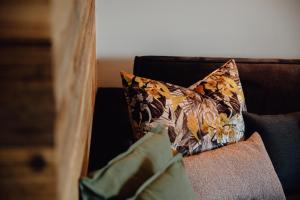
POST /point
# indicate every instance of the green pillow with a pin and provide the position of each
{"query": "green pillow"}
(123, 175)
(168, 184)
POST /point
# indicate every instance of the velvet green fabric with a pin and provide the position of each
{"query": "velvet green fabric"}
(168, 184)
(123, 175)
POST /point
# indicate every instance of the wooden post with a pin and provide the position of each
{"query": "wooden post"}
(47, 80)
(74, 51)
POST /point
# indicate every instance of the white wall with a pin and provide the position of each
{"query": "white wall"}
(228, 28)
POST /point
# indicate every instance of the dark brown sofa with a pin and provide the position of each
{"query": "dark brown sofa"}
(271, 86)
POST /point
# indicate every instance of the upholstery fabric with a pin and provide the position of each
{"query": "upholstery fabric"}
(270, 87)
(237, 171)
(169, 184)
(264, 81)
(204, 116)
(110, 116)
(281, 136)
(123, 175)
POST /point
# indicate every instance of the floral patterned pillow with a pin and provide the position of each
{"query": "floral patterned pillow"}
(204, 116)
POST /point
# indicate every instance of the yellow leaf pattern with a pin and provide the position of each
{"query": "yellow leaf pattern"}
(193, 125)
(204, 116)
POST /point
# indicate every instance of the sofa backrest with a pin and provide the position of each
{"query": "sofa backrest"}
(271, 86)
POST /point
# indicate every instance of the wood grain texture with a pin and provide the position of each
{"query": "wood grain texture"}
(27, 102)
(24, 20)
(45, 90)
(27, 173)
(27, 111)
(74, 85)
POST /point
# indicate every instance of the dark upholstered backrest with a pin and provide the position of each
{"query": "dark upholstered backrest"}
(271, 86)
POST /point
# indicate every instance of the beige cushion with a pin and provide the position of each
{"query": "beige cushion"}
(238, 171)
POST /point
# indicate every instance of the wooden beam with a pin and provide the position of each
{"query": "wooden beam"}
(27, 114)
(24, 20)
(27, 173)
(74, 71)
